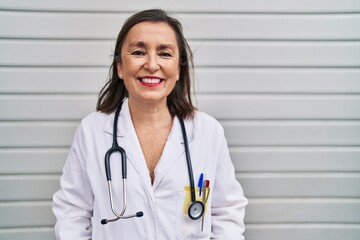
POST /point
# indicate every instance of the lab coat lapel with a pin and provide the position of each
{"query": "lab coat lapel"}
(127, 139)
(174, 150)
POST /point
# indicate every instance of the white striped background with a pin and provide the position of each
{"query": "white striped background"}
(283, 78)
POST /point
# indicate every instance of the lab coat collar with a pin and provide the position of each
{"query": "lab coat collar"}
(127, 138)
(124, 120)
(173, 150)
(125, 124)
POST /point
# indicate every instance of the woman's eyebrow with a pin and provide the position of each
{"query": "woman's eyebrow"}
(165, 46)
(140, 44)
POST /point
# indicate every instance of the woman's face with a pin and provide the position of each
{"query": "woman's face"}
(149, 62)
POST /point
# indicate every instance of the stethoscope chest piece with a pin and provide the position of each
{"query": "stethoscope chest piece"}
(196, 210)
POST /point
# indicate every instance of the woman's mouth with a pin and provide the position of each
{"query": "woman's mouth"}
(150, 82)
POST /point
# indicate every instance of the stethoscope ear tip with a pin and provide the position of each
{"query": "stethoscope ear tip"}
(104, 221)
(139, 214)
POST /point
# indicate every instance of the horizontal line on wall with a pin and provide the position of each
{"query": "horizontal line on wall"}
(232, 148)
(41, 122)
(22, 176)
(223, 11)
(197, 66)
(71, 67)
(303, 225)
(252, 122)
(210, 68)
(239, 173)
(276, 95)
(215, 95)
(107, 67)
(32, 202)
(49, 228)
(287, 174)
(282, 120)
(293, 145)
(295, 148)
(251, 200)
(189, 39)
(195, 94)
(255, 174)
(55, 94)
(36, 147)
(280, 67)
(290, 122)
(248, 93)
(305, 200)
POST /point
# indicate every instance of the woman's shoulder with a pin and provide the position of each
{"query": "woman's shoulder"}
(95, 118)
(207, 122)
(205, 118)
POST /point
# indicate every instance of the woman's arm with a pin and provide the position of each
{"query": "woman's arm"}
(228, 200)
(73, 203)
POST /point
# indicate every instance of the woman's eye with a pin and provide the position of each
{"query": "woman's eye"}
(138, 53)
(165, 54)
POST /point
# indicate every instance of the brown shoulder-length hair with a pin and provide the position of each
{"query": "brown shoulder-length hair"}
(179, 100)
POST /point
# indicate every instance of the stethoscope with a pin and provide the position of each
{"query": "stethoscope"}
(196, 208)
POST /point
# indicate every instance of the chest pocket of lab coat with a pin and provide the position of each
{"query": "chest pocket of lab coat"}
(188, 228)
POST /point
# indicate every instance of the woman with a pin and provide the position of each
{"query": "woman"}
(172, 192)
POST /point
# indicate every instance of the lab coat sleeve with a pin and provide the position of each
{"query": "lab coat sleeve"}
(72, 204)
(228, 200)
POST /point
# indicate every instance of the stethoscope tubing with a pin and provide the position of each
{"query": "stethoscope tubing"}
(188, 160)
(195, 206)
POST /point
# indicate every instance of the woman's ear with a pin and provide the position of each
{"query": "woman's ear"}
(119, 70)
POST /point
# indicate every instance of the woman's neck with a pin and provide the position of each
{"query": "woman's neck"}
(148, 114)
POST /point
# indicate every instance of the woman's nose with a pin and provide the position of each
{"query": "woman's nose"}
(152, 63)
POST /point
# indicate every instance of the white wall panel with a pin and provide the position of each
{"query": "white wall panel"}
(242, 6)
(305, 231)
(296, 159)
(26, 214)
(34, 214)
(243, 133)
(54, 80)
(277, 80)
(280, 106)
(207, 53)
(196, 26)
(48, 107)
(256, 185)
(283, 78)
(292, 133)
(48, 134)
(74, 107)
(303, 210)
(246, 159)
(28, 233)
(32, 160)
(277, 231)
(301, 185)
(29, 187)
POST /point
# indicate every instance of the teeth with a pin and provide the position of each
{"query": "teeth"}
(150, 80)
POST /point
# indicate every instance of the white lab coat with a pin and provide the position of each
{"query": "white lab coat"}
(83, 199)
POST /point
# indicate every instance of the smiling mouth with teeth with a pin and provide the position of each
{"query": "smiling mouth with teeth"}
(150, 82)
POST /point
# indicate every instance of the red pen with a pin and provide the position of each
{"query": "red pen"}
(206, 187)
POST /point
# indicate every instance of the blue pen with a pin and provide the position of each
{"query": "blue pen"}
(200, 183)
